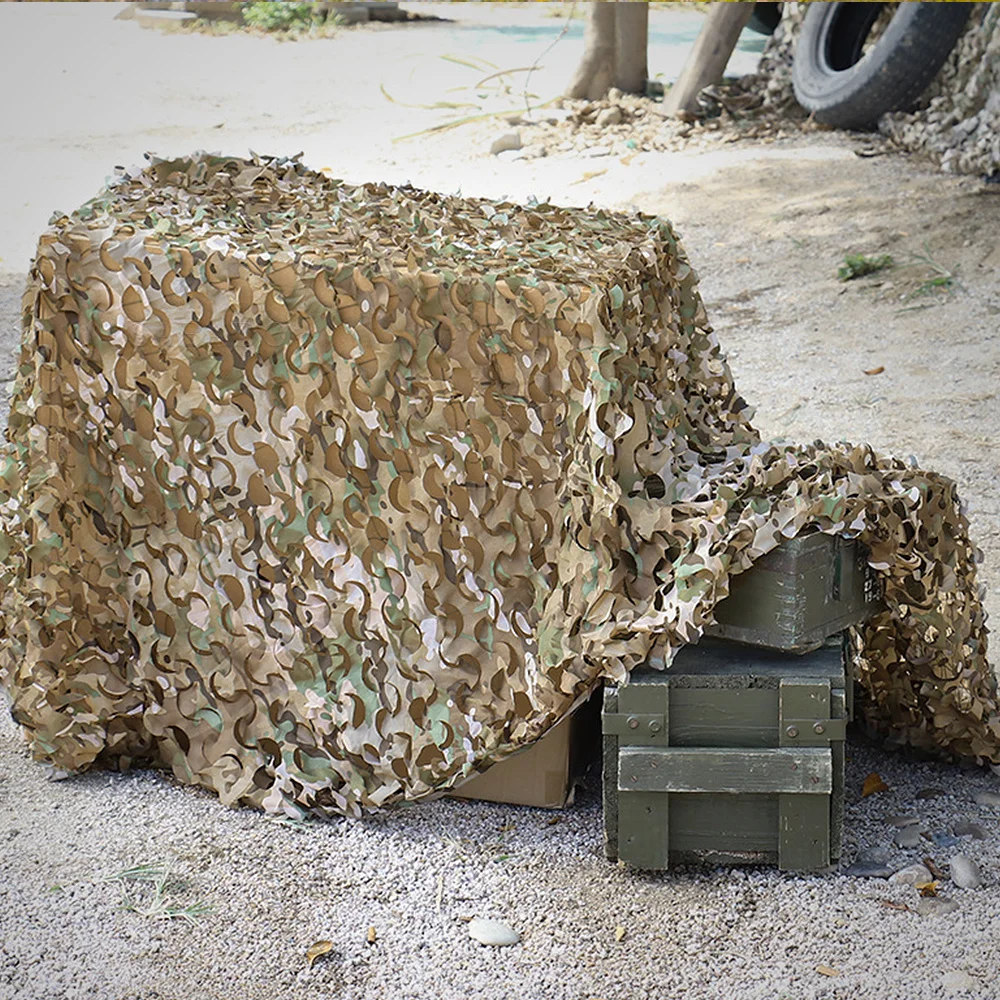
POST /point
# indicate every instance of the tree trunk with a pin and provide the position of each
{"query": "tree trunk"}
(597, 68)
(631, 32)
(707, 61)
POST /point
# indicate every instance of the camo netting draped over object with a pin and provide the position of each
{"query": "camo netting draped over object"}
(328, 496)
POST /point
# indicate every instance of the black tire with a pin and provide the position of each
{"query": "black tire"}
(845, 88)
(765, 18)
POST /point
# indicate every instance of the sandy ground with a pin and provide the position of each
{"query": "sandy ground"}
(766, 227)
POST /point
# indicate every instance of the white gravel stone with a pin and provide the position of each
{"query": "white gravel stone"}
(990, 800)
(966, 828)
(505, 142)
(609, 116)
(867, 869)
(965, 872)
(911, 875)
(908, 836)
(959, 982)
(902, 819)
(935, 906)
(492, 932)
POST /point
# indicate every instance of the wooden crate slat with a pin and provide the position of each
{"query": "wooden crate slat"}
(749, 771)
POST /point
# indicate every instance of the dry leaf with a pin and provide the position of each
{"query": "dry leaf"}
(927, 889)
(371, 936)
(827, 970)
(933, 869)
(875, 371)
(873, 783)
(619, 933)
(890, 904)
(316, 949)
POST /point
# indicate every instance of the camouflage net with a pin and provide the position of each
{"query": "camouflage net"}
(326, 497)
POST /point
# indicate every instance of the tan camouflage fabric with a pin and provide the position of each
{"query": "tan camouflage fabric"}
(326, 497)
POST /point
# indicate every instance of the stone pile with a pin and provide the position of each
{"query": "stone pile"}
(957, 123)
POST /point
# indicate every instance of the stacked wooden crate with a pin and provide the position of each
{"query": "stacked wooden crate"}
(735, 753)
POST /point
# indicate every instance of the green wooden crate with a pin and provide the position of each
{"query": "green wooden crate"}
(734, 755)
(807, 589)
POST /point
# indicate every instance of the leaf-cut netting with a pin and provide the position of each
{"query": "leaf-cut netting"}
(325, 497)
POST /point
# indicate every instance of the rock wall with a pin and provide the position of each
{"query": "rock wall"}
(958, 125)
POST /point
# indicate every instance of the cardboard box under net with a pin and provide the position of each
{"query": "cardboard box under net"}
(547, 773)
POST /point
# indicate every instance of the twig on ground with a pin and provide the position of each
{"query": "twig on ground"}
(941, 277)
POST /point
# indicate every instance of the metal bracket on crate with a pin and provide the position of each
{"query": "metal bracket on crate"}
(812, 732)
(638, 728)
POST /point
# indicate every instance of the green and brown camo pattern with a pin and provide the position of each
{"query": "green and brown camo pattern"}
(326, 497)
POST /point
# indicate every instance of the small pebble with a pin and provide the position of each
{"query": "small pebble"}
(867, 869)
(991, 799)
(902, 819)
(908, 836)
(878, 855)
(509, 140)
(609, 116)
(965, 872)
(959, 982)
(966, 828)
(944, 840)
(533, 152)
(931, 793)
(911, 875)
(492, 932)
(934, 906)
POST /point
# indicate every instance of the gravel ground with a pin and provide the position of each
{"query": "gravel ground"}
(417, 876)
(766, 225)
